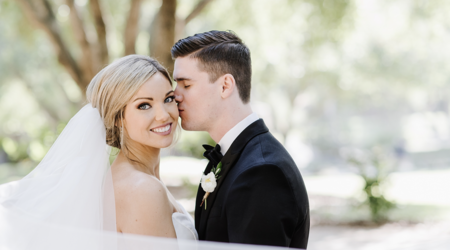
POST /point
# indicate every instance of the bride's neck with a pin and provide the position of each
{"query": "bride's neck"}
(148, 158)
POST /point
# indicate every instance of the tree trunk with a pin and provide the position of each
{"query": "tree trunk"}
(100, 27)
(78, 27)
(162, 34)
(132, 26)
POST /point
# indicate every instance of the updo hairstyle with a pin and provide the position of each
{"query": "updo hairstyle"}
(114, 86)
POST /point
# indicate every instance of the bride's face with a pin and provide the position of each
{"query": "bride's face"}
(152, 114)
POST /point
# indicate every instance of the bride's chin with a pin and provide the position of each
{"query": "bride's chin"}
(161, 144)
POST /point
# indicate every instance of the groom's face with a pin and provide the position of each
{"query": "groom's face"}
(197, 97)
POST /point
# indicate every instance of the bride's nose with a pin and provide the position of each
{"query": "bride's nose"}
(162, 114)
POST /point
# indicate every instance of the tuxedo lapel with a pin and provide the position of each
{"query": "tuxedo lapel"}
(228, 161)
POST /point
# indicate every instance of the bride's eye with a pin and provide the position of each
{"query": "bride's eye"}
(169, 99)
(144, 106)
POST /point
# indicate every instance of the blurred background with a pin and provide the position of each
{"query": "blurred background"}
(357, 91)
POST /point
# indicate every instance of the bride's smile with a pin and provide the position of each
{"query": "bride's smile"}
(163, 130)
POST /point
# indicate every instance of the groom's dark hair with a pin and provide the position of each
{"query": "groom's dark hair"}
(219, 53)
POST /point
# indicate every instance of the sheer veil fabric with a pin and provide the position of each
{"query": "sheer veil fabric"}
(67, 201)
(71, 187)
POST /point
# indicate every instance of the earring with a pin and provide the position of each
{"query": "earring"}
(121, 129)
(121, 135)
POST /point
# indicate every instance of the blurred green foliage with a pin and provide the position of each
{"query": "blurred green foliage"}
(373, 166)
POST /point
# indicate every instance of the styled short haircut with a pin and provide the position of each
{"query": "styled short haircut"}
(219, 53)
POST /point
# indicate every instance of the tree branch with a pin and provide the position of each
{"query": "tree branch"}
(101, 31)
(181, 23)
(197, 10)
(80, 34)
(40, 14)
(131, 29)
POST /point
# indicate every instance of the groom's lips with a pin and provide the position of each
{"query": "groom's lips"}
(179, 111)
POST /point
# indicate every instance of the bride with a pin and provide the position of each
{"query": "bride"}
(136, 101)
(131, 107)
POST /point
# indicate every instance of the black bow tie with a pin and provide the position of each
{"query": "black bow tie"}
(213, 154)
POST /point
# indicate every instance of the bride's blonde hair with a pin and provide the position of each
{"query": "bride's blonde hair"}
(110, 91)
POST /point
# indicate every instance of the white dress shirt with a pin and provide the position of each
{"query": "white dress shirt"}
(233, 133)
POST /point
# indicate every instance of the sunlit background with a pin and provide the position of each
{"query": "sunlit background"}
(357, 91)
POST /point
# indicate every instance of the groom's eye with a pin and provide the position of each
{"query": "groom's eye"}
(144, 106)
(186, 86)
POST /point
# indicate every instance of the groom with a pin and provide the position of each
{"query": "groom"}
(259, 197)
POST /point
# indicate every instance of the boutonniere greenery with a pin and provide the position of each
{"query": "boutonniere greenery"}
(209, 182)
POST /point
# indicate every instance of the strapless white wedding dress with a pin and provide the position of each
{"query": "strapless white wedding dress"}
(184, 225)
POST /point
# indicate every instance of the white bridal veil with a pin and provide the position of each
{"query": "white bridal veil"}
(67, 201)
(71, 187)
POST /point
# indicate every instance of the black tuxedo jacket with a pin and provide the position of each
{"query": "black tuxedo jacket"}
(260, 197)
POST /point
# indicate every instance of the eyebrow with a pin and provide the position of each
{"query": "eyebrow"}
(151, 98)
(181, 79)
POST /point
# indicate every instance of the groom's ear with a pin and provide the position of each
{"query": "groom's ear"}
(228, 85)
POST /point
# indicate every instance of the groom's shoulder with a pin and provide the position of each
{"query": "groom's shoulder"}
(265, 159)
(266, 149)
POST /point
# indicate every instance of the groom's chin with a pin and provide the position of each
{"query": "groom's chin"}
(188, 126)
(185, 125)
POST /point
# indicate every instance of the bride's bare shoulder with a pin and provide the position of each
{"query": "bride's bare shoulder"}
(137, 185)
(142, 205)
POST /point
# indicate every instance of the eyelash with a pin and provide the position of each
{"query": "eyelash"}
(172, 97)
(143, 104)
(187, 86)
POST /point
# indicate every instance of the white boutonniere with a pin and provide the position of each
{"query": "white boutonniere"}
(209, 182)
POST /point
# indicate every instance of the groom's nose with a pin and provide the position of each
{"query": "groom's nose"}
(178, 98)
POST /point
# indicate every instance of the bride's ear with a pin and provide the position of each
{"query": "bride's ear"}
(118, 123)
(119, 120)
(228, 85)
